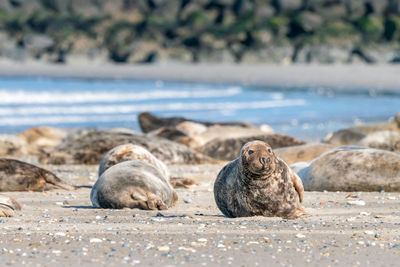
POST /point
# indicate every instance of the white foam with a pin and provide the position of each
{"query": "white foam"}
(134, 108)
(51, 120)
(26, 97)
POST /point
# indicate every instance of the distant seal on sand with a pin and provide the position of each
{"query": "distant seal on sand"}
(229, 148)
(7, 206)
(258, 183)
(386, 140)
(89, 146)
(344, 137)
(307, 152)
(133, 184)
(149, 122)
(353, 169)
(16, 175)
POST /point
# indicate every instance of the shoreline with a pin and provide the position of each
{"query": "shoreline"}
(379, 77)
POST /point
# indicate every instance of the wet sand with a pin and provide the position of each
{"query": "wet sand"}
(61, 228)
(380, 77)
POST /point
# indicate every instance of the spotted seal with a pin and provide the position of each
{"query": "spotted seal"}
(258, 183)
(133, 184)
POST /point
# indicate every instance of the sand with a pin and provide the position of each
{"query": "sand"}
(61, 228)
(379, 77)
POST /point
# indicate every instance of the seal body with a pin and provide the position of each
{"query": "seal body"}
(16, 175)
(352, 168)
(258, 183)
(133, 184)
(7, 206)
(131, 152)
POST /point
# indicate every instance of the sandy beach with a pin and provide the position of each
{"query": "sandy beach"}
(379, 77)
(61, 228)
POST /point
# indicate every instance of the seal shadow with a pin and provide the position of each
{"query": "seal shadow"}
(79, 207)
(84, 186)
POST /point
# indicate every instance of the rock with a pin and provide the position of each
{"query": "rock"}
(353, 169)
(89, 146)
(286, 6)
(397, 120)
(7, 206)
(149, 122)
(344, 137)
(16, 175)
(37, 43)
(306, 152)
(310, 21)
(386, 140)
(229, 148)
(12, 146)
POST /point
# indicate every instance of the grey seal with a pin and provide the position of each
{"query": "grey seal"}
(133, 184)
(258, 183)
(17, 175)
(352, 168)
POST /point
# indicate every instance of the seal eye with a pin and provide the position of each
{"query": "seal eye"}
(251, 152)
(269, 150)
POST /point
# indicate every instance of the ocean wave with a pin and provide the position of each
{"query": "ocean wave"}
(8, 97)
(134, 108)
(53, 120)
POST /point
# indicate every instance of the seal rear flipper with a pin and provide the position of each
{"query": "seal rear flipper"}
(297, 213)
(151, 203)
(180, 182)
(6, 211)
(53, 182)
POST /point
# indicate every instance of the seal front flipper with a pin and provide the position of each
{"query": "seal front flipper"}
(7, 206)
(297, 213)
(298, 184)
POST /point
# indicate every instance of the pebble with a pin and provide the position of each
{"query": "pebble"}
(163, 248)
(356, 202)
(300, 235)
(95, 240)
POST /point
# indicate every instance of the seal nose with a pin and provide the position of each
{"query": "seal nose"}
(266, 160)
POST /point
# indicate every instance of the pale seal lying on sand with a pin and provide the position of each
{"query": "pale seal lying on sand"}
(258, 183)
(134, 152)
(353, 169)
(229, 148)
(16, 175)
(344, 137)
(7, 206)
(148, 122)
(307, 152)
(127, 152)
(89, 147)
(386, 140)
(133, 184)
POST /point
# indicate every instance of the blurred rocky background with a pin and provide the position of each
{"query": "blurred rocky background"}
(211, 31)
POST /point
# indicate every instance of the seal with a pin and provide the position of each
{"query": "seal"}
(149, 122)
(127, 152)
(307, 152)
(7, 206)
(386, 140)
(89, 146)
(258, 183)
(344, 137)
(134, 152)
(17, 175)
(352, 168)
(228, 148)
(133, 184)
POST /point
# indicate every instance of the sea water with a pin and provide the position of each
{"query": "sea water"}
(307, 113)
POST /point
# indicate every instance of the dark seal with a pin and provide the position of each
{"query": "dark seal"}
(16, 175)
(258, 184)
